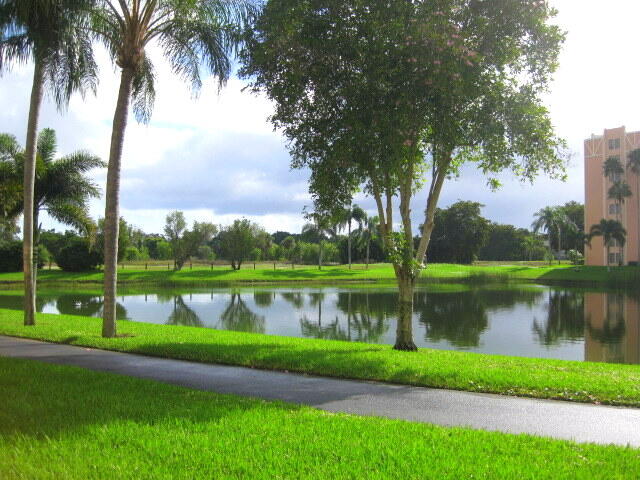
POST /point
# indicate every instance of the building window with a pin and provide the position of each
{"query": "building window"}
(615, 258)
(614, 243)
(614, 144)
(614, 209)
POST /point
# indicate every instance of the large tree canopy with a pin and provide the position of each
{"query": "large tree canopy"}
(381, 94)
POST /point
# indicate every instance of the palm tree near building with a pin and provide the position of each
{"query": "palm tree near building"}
(618, 192)
(346, 217)
(613, 169)
(611, 231)
(634, 165)
(61, 186)
(191, 35)
(54, 35)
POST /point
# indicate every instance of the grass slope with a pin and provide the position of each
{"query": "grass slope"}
(376, 273)
(68, 423)
(542, 378)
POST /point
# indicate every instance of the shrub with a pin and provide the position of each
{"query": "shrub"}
(575, 257)
(132, 254)
(11, 257)
(78, 256)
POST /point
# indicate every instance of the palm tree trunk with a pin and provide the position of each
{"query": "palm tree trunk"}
(349, 242)
(559, 244)
(320, 255)
(368, 247)
(112, 209)
(29, 188)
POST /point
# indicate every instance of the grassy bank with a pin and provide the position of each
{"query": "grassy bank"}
(68, 423)
(218, 275)
(542, 378)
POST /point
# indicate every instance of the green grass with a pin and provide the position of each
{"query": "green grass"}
(205, 276)
(542, 378)
(67, 423)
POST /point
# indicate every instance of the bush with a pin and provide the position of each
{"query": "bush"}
(78, 257)
(44, 257)
(11, 257)
(132, 254)
(575, 257)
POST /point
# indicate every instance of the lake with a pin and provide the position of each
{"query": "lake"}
(520, 320)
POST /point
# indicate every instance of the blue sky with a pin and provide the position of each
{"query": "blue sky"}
(217, 158)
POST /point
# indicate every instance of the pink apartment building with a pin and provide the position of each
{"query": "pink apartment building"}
(614, 143)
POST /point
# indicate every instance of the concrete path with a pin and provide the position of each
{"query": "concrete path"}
(564, 420)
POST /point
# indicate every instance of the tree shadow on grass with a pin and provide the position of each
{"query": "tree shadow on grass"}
(46, 401)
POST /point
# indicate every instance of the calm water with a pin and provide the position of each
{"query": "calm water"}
(531, 321)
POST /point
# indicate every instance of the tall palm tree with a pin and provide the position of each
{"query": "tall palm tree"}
(369, 232)
(618, 192)
(612, 168)
(191, 34)
(345, 219)
(52, 33)
(609, 230)
(634, 166)
(320, 227)
(550, 219)
(61, 187)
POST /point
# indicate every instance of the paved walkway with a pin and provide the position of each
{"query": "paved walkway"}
(565, 420)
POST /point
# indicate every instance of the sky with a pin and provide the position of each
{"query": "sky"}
(217, 158)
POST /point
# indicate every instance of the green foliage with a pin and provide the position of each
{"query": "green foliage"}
(459, 234)
(132, 254)
(205, 252)
(575, 257)
(11, 256)
(78, 256)
(238, 240)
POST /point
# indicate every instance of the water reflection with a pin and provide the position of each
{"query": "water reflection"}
(237, 316)
(564, 320)
(529, 320)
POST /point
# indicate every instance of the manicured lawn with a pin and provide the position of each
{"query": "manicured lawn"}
(577, 381)
(67, 423)
(205, 276)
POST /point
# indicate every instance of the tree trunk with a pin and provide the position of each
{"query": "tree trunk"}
(320, 255)
(368, 246)
(112, 209)
(29, 187)
(404, 331)
(349, 243)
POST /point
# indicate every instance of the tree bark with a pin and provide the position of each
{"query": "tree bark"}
(29, 193)
(112, 209)
(349, 241)
(368, 250)
(320, 255)
(404, 330)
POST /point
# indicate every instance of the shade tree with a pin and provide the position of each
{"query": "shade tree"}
(378, 96)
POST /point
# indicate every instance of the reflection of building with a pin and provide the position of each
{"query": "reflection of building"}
(597, 149)
(612, 328)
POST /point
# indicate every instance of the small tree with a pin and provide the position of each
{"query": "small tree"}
(238, 240)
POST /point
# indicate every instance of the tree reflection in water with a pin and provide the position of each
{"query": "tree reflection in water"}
(263, 299)
(183, 315)
(238, 317)
(86, 305)
(565, 318)
(363, 322)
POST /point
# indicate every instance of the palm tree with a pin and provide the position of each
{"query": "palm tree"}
(61, 187)
(618, 192)
(634, 166)
(52, 34)
(368, 232)
(609, 230)
(190, 34)
(321, 228)
(612, 168)
(550, 219)
(346, 217)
